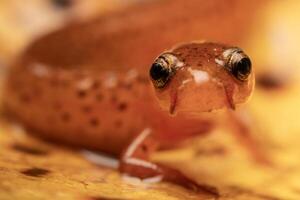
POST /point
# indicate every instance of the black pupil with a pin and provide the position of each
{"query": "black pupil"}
(158, 72)
(242, 68)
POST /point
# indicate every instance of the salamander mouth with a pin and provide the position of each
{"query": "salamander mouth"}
(228, 101)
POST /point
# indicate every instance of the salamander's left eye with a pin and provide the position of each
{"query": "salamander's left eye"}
(162, 70)
(239, 64)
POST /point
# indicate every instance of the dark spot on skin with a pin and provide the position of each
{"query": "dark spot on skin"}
(79, 75)
(127, 86)
(51, 120)
(269, 81)
(59, 82)
(144, 148)
(63, 3)
(57, 105)
(37, 92)
(118, 123)
(17, 85)
(96, 85)
(81, 93)
(86, 108)
(66, 117)
(25, 98)
(54, 82)
(29, 150)
(94, 121)
(35, 172)
(99, 97)
(64, 83)
(199, 64)
(113, 99)
(122, 106)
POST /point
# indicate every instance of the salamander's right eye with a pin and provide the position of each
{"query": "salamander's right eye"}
(163, 69)
(160, 74)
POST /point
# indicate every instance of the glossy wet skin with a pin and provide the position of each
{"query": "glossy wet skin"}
(119, 114)
(88, 107)
(202, 77)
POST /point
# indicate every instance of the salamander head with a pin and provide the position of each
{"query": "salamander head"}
(202, 77)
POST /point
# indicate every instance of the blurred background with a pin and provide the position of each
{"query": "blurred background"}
(21, 22)
(272, 41)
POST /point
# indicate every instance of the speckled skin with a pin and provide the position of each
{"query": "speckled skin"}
(106, 109)
(87, 85)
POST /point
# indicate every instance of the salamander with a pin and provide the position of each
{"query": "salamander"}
(108, 88)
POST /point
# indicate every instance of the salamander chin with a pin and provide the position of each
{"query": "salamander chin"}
(211, 77)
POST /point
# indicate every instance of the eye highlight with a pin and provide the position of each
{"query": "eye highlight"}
(238, 64)
(162, 70)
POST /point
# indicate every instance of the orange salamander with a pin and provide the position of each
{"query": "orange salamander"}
(109, 110)
(82, 87)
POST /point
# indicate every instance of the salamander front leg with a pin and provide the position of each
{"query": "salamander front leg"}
(243, 131)
(135, 162)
